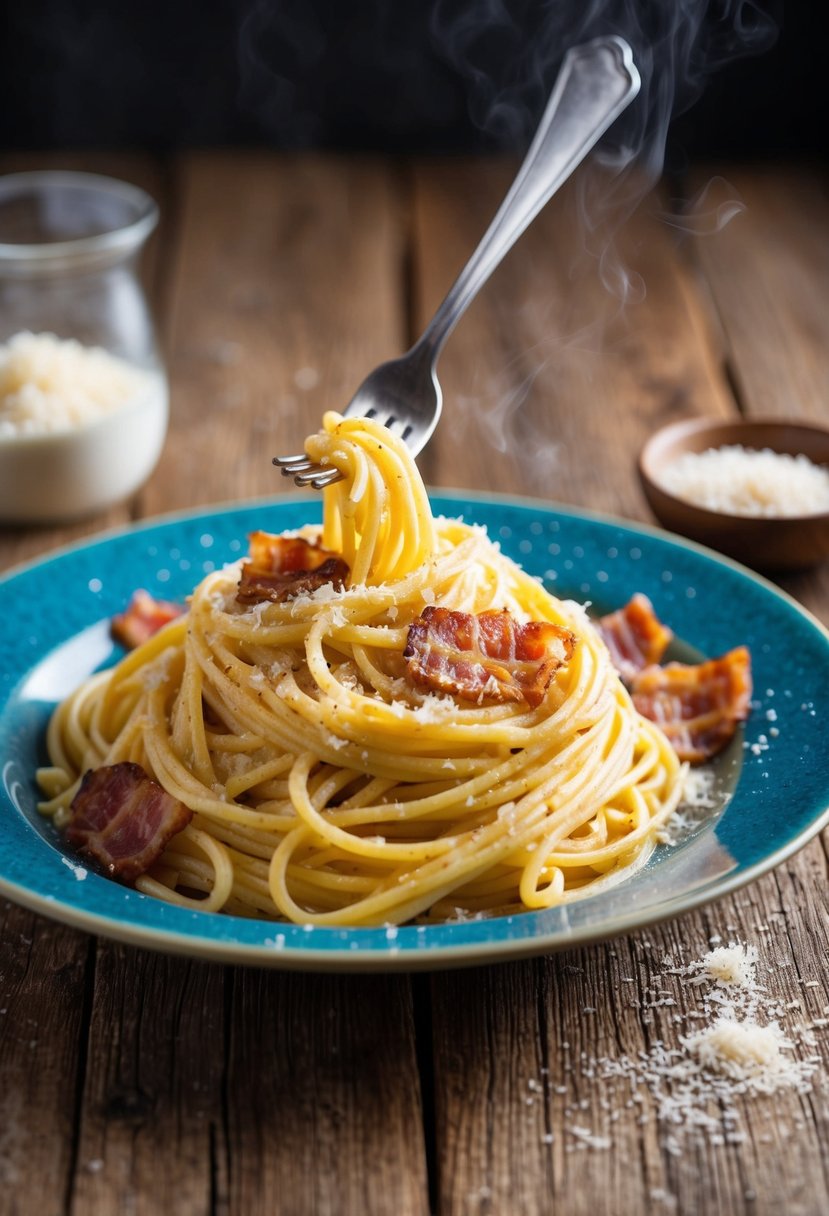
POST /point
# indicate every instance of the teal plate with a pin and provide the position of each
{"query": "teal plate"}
(772, 788)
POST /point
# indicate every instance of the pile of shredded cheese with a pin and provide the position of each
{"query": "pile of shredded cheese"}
(738, 1052)
(51, 384)
(745, 1052)
(741, 481)
(735, 1048)
(727, 965)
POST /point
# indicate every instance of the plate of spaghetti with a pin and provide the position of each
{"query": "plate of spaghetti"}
(380, 730)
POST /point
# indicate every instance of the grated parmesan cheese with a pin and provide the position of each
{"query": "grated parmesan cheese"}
(50, 384)
(732, 964)
(743, 481)
(737, 1050)
(699, 799)
(746, 1053)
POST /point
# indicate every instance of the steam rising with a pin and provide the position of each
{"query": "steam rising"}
(708, 212)
(507, 54)
(677, 45)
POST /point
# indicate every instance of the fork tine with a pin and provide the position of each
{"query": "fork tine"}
(307, 472)
(300, 466)
(317, 476)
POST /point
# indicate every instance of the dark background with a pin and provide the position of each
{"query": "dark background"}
(402, 75)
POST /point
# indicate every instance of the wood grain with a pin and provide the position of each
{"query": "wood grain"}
(44, 972)
(551, 384)
(284, 293)
(768, 275)
(520, 1052)
(766, 279)
(324, 1110)
(151, 1120)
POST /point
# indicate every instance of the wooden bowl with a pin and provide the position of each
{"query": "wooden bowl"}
(779, 543)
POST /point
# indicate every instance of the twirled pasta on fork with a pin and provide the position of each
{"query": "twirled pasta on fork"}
(375, 722)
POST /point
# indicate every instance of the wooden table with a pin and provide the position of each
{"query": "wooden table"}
(134, 1083)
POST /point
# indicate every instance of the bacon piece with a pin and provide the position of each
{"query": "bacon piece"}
(487, 656)
(143, 618)
(281, 567)
(124, 819)
(635, 636)
(698, 705)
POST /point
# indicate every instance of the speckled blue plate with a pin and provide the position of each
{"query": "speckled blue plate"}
(772, 786)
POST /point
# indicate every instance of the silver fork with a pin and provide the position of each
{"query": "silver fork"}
(596, 82)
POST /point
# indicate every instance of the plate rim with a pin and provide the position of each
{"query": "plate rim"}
(643, 527)
(391, 958)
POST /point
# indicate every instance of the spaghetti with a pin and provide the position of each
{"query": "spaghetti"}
(327, 787)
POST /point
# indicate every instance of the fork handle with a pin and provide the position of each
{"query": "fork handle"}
(596, 82)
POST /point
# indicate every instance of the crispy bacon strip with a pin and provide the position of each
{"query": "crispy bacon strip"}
(635, 636)
(281, 567)
(487, 656)
(124, 819)
(699, 705)
(143, 618)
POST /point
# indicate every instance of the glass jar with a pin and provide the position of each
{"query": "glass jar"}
(69, 250)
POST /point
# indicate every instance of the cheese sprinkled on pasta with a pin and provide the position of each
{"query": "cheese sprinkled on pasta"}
(327, 788)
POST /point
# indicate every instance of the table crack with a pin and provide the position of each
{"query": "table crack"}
(84, 1032)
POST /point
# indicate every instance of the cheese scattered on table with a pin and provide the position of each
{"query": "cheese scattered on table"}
(734, 1050)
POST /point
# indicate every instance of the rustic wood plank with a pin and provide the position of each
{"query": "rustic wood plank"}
(770, 308)
(811, 589)
(550, 386)
(286, 293)
(507, 1132)
(333, 1121)
(768, 274)
(324, 1111)
(152, 1117)
(43, 978)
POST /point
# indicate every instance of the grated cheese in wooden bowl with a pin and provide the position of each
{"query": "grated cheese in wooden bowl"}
(735, 480)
